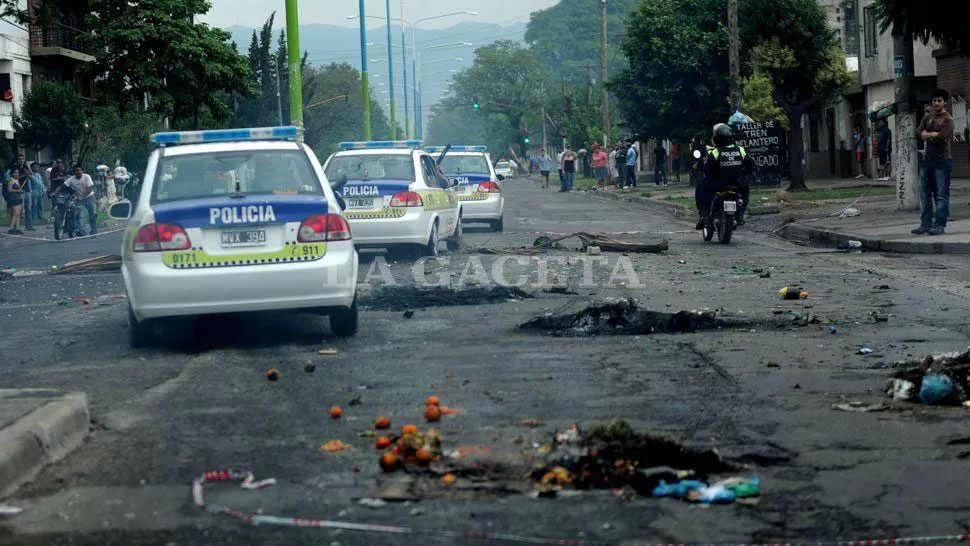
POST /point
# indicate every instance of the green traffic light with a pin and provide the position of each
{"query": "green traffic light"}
(528, 140)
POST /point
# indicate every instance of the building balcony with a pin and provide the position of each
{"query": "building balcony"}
(57, 40)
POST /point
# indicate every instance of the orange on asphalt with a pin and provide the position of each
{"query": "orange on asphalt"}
(336, 412)
(383, 442)
(448, 479)
(425, 456)
(382, 423)
(409, 429)
(389, 462)
(432, 401)
(432, 413)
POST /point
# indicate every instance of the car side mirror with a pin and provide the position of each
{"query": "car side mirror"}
(697, 154)
(120, 211)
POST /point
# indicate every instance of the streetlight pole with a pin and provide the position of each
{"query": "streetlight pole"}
(603, 75)
(404, 59)
(390, 72)
(364, 84)
(293, 58)
(733, 56)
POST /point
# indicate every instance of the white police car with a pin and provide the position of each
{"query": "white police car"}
(476, 183)
(232, 221)
(395, 196)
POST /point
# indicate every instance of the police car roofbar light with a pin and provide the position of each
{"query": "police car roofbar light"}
(377, 144)
(433, 149)
(226, 135)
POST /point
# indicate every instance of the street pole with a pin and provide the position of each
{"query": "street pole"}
(279, 100)
(404, 60)
(390, 72)
(364, 84)
(543, 114)
(603, 76)
(905, 155)
(293, 57)
(733, 60)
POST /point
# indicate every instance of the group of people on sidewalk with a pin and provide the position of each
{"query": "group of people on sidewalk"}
(25, 190)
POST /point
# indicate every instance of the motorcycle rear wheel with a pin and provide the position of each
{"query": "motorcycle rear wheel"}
(725, 227)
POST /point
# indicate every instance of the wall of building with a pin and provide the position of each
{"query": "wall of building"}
(954, 76)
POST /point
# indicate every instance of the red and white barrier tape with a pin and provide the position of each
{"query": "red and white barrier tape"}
(249, 482)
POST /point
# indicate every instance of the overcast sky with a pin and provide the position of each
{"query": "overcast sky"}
(253, 13)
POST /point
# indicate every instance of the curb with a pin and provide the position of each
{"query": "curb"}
(678, 211)
(805, 234)
(44, 436)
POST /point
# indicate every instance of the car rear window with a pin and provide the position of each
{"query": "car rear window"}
(502, 165)
(256, 172)
(464, 164)
(370, 167)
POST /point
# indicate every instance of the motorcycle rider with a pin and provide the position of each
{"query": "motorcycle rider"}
(728, 166)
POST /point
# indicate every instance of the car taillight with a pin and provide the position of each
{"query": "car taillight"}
(489, 187)
(323, 227)
(159, 237)
(407, 199)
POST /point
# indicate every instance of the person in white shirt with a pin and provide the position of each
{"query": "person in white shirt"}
(121, 179)
(83, 187)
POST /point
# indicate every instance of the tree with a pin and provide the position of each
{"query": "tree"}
(508, 81)
(758, 99)
(678, 78)
(772, 31)
(566, 37)
(53, 115)
(948, 26)
(180, 67)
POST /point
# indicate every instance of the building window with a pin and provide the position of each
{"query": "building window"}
(870, 31)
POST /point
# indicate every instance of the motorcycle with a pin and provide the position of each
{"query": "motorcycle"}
(722, 218)
(65, 216)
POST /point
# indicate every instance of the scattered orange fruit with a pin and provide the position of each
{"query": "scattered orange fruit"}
(445, 410)
(803, 294)
(383, 442)
(334, 446)
(432, 413)
(448, 479)
(272, 374)
(409, 429)
(432, 401)
(425, 457)
(382, 423)
(389, 462)
(336, 412)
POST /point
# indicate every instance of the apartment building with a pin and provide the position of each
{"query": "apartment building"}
(57, 46)
(15, 72)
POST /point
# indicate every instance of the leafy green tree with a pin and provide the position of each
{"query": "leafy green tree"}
(508, 80)
(334, 111)
(948, 25)
(123, 136)
(757, 100)
(163, 56)
(677, 82)
(566, 38)
(52, 114)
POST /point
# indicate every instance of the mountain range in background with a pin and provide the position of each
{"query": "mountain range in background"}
(336, 44)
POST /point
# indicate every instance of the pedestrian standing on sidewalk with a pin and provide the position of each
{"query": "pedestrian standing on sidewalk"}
(934, 177)
(884, 140)
(620, 163)
(545, 166)
(858, 142)
(600, 162)
(568, 167)
(631, 166)
(660, 165)
(14, 191)
(562, 179)
(37, 189)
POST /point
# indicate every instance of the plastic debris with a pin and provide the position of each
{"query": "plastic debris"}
(864, 350)
(310, 367)
(272, 374)
(860, 407)
(333, 446)
(849, 213)
(833, 328)
(938, 389)
(788, 293)
(10, 510)
(855, 244)
(327, 351)
(372, 503)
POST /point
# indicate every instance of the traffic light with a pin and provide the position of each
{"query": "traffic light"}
(475, 103)
(527, 139)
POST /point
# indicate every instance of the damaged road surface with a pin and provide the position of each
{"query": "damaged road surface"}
(670, 396)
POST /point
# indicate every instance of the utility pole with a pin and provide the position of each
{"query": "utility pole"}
(733, 56)
(364, 83)
(279, 100)
(543, 114)
(603, 76)
(905, 155)
(293, 59)
(404, 59)
(390, 72)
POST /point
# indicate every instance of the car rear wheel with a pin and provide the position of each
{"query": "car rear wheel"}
(498, 225)
(455, 241)
(140, 333)
(430, 249)
(343, 323)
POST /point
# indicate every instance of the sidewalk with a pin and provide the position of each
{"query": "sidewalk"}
(878, 225)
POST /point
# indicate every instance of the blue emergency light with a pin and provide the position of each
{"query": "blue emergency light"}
(226, 135)
(378, 144)
(433, 149)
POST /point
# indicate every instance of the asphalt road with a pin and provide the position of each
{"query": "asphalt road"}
(759, 389)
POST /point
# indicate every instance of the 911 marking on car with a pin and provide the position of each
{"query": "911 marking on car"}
(250, 214)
